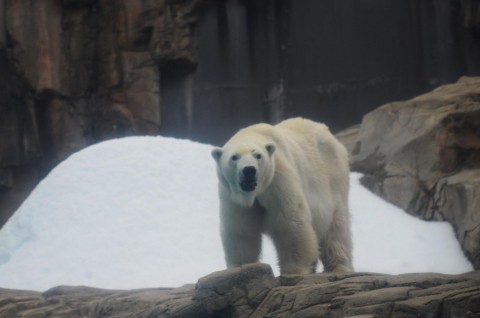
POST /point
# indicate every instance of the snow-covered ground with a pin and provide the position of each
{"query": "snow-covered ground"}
(143, 212)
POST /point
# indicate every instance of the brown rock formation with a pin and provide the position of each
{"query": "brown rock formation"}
(79, 71)
(252, 291)
(423, 155)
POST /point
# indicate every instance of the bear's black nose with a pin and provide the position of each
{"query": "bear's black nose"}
(249, 172)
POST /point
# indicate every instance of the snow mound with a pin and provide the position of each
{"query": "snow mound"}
(142, 212)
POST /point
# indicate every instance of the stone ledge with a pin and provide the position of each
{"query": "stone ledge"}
(253, 291)
(423, 155)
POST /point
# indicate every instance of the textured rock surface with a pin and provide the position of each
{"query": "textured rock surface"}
(331, 61)
(81, 71)
(252, 291)
(423, 155)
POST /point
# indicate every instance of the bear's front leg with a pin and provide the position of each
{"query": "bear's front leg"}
(240, 230)
(294, 238)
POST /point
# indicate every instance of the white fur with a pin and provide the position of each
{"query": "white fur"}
(301, 197)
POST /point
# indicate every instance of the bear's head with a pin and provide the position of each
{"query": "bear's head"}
(246, 170)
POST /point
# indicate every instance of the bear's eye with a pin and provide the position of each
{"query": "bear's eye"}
(257, 156)
(235, 157)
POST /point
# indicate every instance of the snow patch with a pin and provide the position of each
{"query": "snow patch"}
(142, 212)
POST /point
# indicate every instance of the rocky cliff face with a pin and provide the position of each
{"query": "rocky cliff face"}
(253, 291)
(74, 72)
(331, 61)
(79, 71)
(423, 155)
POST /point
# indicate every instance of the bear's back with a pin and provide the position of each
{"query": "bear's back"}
(321, 163)
(312, 135)
(322, 154)
(303, 127)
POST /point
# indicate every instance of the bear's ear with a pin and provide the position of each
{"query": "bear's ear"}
(270, 148)
(217, 153)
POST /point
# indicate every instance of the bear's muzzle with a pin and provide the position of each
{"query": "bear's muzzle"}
(248, 179)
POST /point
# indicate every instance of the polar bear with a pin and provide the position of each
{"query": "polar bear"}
(291, 182)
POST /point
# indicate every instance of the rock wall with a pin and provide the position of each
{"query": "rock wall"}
(75, 72)
(253, 291)
(423, 155)
(331, 61)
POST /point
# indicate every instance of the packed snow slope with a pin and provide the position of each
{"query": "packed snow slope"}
(143, 212)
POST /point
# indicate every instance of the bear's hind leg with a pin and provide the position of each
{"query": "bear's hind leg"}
(336, 247)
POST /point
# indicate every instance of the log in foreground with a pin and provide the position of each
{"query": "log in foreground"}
(253, 291)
